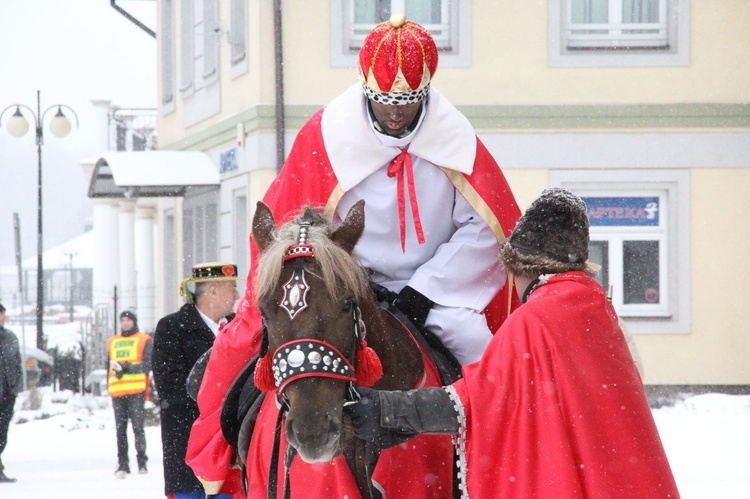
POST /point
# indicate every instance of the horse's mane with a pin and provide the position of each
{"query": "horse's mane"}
(339, 270)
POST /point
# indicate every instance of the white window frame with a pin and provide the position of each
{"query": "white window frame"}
(167, 42)
(238, 41)
(572, 47)
(452, 38)
(672, 314)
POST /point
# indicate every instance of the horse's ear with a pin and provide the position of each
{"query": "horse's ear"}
(349, 232)
(264, 226)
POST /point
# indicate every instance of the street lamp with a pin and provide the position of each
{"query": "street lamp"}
(60, 126)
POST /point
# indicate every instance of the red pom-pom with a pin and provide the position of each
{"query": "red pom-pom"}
(369, 368)
(264, 375)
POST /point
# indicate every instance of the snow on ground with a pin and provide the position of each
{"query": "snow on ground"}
(71, 452)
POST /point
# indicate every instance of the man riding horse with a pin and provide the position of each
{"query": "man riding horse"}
(437, 209)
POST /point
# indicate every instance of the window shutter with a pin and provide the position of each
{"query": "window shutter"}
(187, 38)
(238, 31)
(167, 51)
(211, 37)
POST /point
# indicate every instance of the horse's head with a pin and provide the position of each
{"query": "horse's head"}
(308, 287)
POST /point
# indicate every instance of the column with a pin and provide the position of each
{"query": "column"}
(105, 264)
(144, 264)
(126, 286)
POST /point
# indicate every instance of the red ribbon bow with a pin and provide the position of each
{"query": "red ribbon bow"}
(397, 168)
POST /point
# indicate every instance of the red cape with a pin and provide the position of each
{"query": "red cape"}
(556, 407)
(307, 178)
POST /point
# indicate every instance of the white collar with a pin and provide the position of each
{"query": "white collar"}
(213, 326)
(445, 138)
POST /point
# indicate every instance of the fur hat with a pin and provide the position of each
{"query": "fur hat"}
(551, 237)
(397, 60)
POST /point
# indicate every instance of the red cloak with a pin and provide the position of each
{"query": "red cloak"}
(307, 178)
(556, 407)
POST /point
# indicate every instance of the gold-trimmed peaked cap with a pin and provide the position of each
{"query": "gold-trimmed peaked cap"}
(208, 271)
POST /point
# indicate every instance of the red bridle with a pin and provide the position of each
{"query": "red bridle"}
(303, 358)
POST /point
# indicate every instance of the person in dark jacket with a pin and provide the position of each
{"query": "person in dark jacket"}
(180, 340)
(10, 384)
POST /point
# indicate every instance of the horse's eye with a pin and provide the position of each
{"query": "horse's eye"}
(348, 304)
(263, 314)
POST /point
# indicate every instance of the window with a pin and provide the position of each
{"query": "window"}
(200, 229)
(447, 20)
(639, 232)
(171, 298)
(240, 235)
(618, 32)
(238, 37)
(620, 24)
(167, 55)
(629, 241)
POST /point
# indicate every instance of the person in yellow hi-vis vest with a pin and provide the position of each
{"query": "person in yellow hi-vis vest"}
(129, 363)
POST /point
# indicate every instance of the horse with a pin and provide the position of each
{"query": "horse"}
(323, 327)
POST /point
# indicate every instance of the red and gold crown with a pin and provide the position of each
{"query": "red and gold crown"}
(398, 58)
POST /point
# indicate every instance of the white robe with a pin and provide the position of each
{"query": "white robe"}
(457, 266)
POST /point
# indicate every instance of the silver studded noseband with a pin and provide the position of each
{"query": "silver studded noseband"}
(307, 358)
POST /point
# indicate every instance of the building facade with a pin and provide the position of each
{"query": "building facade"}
(639, 106)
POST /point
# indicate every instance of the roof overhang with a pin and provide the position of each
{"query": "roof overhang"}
(151, 174)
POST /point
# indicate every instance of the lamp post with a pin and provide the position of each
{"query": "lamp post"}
(60, 126)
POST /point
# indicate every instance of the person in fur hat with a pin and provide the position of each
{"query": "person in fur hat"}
(555, 407)
(437, 207)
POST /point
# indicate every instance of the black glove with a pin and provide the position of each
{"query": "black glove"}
(382, 293)
(365, 417)
(365, 414)
(414, 305)
(127, 368)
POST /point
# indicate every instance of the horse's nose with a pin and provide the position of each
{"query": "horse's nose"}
(316, 440)
(311, 429)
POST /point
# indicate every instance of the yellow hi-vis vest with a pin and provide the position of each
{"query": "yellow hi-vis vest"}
(127, 349)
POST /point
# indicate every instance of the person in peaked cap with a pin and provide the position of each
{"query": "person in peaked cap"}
(180, 340)
(129, 356)
(437, 208)
(555, 407)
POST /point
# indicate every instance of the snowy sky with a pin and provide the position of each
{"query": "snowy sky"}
(72, 51)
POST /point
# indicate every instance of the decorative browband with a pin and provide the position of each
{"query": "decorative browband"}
(306, 358)
(299, 250)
